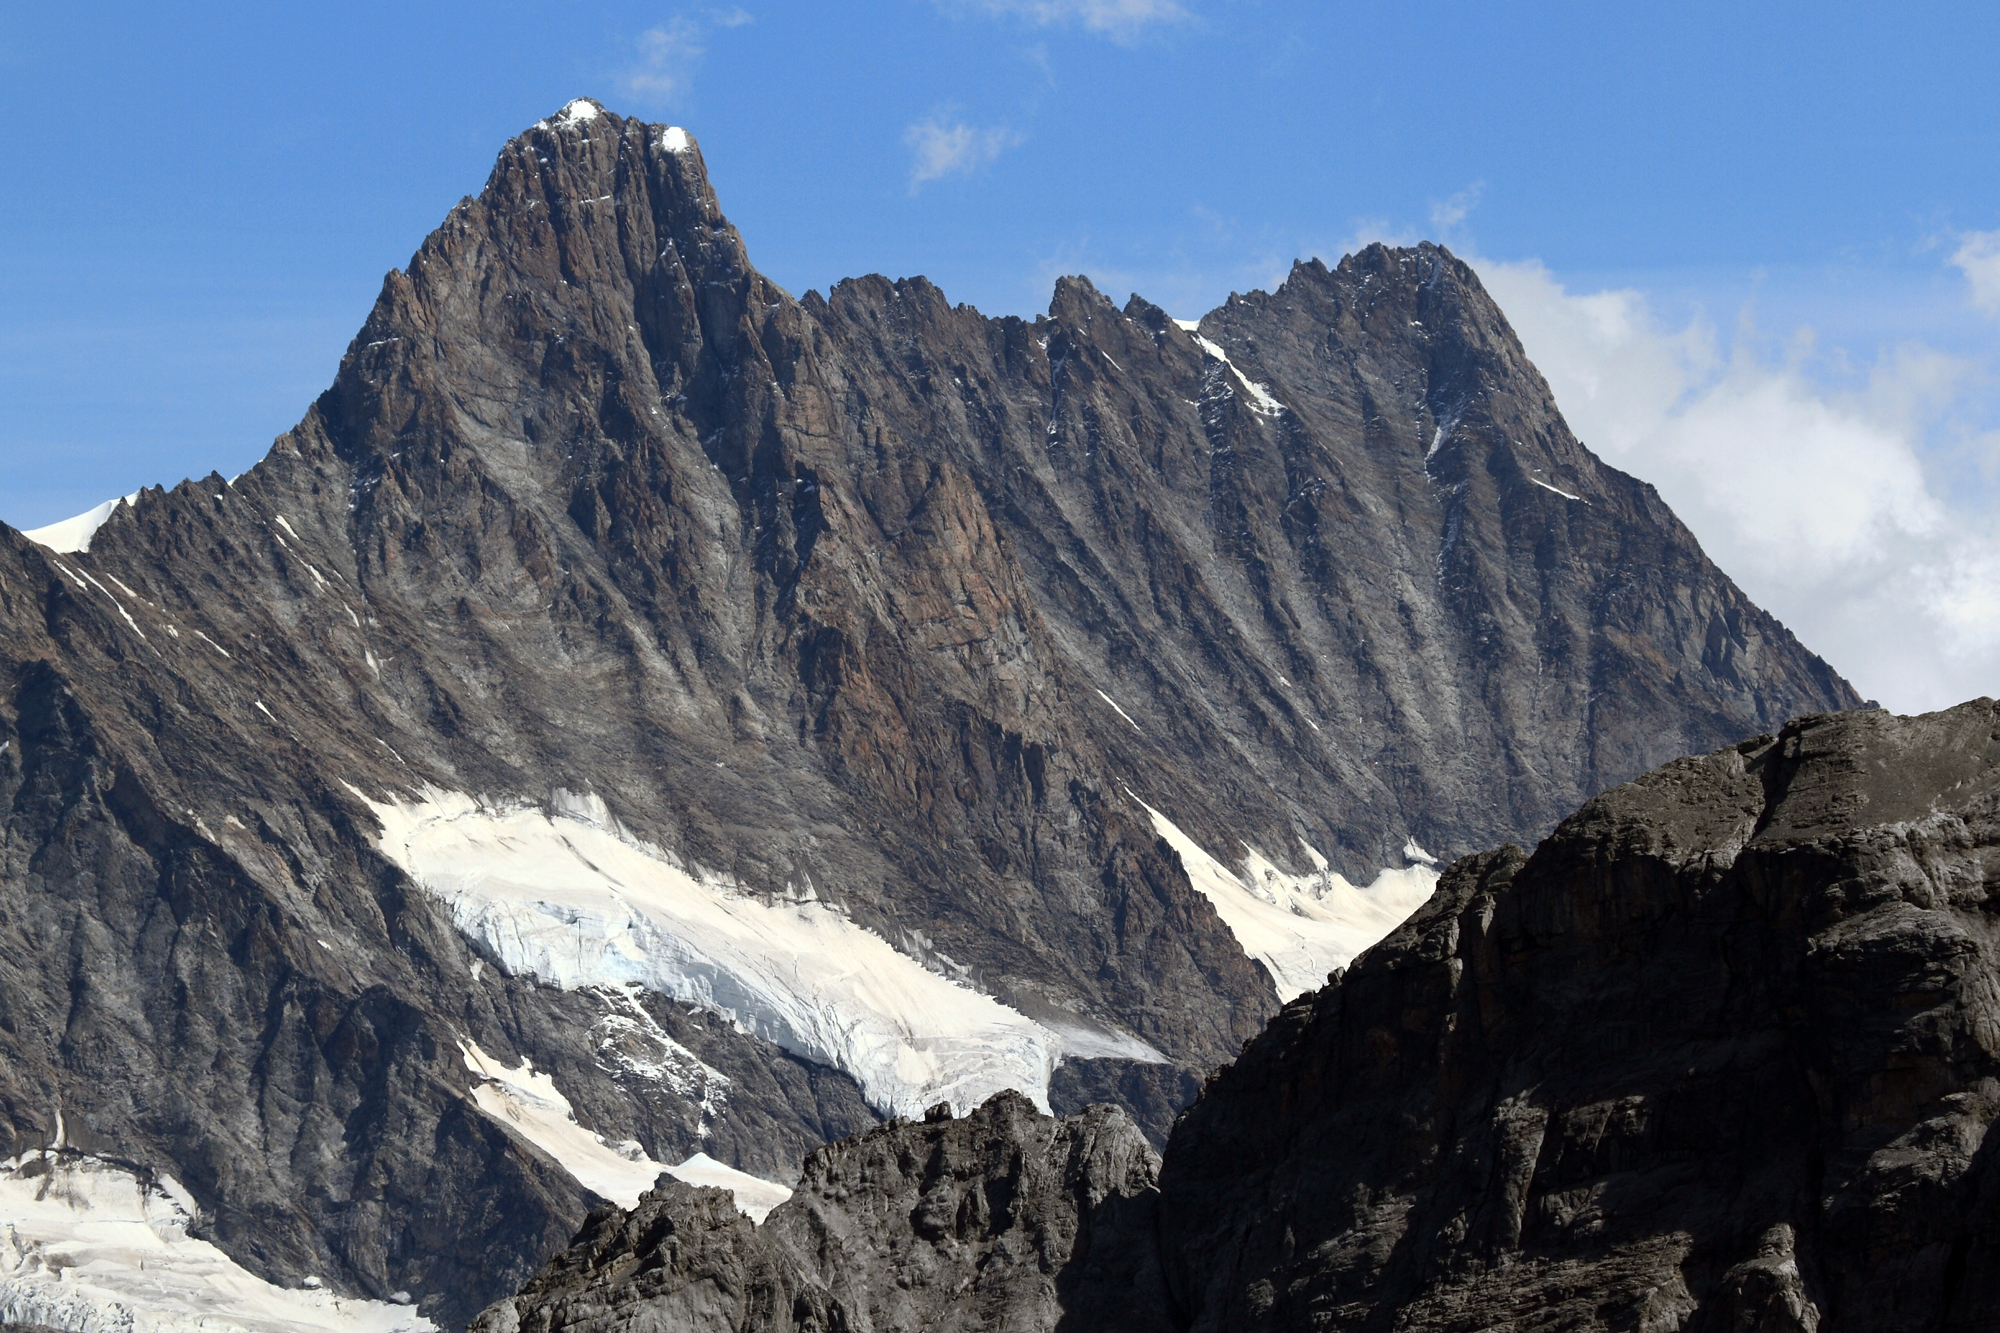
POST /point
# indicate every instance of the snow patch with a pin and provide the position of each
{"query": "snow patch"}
(1116, 709)
(72, 535)
(528, 1104)
(580, 111)
(1413, 851)
(1261, 401)
(675, 139)
(572, 897)
(88, 1245)
(1300, 927)
(755, 1196)
(106, 591)
(628, 1039)
(1191, 325)
(1557, 489)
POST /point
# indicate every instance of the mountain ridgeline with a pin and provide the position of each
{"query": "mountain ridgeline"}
(718, 720)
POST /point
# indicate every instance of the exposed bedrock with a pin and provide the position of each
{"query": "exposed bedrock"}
(1005, 1218)
(1722, 1054)
(1092, 676)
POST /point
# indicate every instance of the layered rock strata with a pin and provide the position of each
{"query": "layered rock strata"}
(1099, 680)
(1723, 1053)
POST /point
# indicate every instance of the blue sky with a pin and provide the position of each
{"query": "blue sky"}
(1725, 231)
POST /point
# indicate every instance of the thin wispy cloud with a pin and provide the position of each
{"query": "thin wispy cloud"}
(1978, 257)
(1120, 20)
(669, 55)
(1451, 212)
(941, 146)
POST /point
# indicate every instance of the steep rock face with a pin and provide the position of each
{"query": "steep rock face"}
(865, 611)
(1721, 1054)
(1003, 1219)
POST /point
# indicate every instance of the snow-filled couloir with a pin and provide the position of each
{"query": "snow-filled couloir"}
(1300, 927)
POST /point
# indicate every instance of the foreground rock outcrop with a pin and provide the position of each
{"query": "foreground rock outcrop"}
(1723, 1053)
(1003, 1219)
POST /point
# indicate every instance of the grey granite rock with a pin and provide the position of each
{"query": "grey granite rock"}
(1721, 1054)
(822, 588)
(1003, 1219)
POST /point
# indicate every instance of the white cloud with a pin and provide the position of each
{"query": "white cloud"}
(1978, 257)
(1818, 500)
(1120, 20)
(942, 147)
(670, 53)
(1447, 215)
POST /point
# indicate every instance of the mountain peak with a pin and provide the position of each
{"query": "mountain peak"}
(1067, 693)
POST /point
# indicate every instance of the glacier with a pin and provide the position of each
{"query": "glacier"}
(87, 1245)
(569, 896)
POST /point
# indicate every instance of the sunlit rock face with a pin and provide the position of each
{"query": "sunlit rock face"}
(751, 716)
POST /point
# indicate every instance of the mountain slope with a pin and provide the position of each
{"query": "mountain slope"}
(1719, 1055)
(952, 704)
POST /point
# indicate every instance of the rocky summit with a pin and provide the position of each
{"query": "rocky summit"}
(640, 719)
(1720, 1055)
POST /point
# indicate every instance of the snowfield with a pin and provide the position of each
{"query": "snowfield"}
(1300, 927)
(86, 1245)
(72, 535)
(528, 1104)
(568, 896)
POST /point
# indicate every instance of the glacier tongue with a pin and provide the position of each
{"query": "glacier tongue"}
(86, 1245)
(568, 896)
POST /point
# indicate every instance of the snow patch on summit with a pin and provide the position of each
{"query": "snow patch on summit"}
(72, 535)
(569, 895)
(675, 139)
(1301, 927)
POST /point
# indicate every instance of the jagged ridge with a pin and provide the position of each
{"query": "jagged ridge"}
(834, 591)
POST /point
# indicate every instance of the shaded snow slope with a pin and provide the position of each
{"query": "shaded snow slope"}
(572, 898)
(87, 1245)
(1300, 927)
(529, 1104)
(73, 534)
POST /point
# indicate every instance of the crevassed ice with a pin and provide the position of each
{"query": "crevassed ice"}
(572, 898)
(529, 1104)
(73, 535)
(1300, 927)
(85, 1245)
